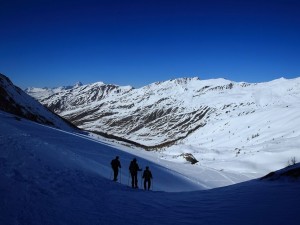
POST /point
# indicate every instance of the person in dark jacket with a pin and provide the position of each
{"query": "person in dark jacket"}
(133, 169)
(147, 175)
(115, 165)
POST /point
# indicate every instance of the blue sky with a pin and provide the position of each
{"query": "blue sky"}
(53, 43)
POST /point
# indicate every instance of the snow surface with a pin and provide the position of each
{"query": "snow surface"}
(250, 129)
(49, 176)
(22, 104)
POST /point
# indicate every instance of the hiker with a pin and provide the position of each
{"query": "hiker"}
(147, 175)
(133, 169)
(115, 165)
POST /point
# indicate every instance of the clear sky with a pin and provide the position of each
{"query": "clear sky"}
(137, 42)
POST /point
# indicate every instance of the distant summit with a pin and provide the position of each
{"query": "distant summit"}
(41, 93)
(78, 84)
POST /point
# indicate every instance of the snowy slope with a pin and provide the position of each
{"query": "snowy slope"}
(49, 176)
(17, 102)
(163, 113)
(239, 128)
(73, 148)
(262, 140)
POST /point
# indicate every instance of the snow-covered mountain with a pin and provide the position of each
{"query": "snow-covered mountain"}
(155, 115)
(222, 124)
(16, 101)
(163, 113)
(49, 176)
(41, 93)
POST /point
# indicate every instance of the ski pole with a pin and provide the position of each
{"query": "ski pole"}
(152, 184)
(128, 179)
(120, 175)
(141, 181)
(110, 175)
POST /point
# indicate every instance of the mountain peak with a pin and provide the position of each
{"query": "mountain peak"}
(78, 84)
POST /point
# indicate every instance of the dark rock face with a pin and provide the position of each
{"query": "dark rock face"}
(15, 101)
(190, 158)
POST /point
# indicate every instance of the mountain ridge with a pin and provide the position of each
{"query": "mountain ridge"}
(164, 112)
(15, 101)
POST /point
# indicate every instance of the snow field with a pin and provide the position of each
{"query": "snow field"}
(51, 177)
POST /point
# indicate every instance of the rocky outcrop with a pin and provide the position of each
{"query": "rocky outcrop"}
(15, 101)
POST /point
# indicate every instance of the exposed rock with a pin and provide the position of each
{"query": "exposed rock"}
(15, 101)
(189, 157)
